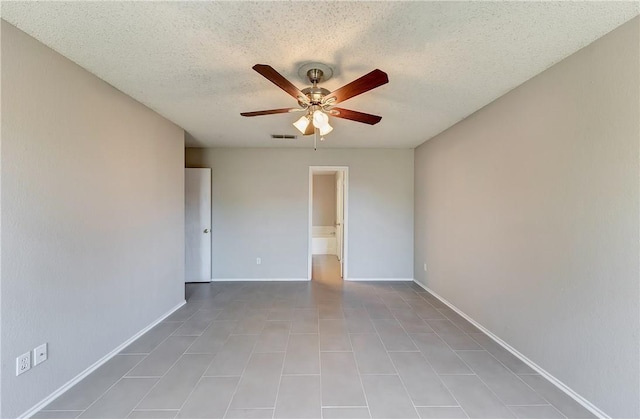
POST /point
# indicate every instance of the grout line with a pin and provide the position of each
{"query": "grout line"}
(284, 359)
(171, 367)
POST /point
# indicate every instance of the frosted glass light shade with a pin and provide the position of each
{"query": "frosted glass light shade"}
(320, 119)
(302, 124)
(325, 129)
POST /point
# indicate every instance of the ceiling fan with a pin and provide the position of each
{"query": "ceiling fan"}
(318, 103)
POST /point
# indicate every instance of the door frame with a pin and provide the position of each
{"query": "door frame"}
(208, 172)
(345, 221)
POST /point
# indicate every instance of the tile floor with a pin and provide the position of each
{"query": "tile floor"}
(324, 349)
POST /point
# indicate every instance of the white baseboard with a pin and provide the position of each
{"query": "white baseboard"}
(51, 397)
(562, 386)
(379, 279)
(256, 279)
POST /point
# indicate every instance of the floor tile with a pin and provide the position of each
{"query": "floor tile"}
(387, 397)
(428, 297)
(184, 313)
(333, 326)
(193, 327)
(258, 386)
(233, 356)
(560, 400)
(501, 354)
(443, 325)
(379, 311)
(87, 391)
(303, 355)
(153, 414)
(252, 323)
(174, 388)
(426, 311)
(249, 414)
(207, 314)
(158, 362)
(210, 398)
(393, 335)
(341, 385)
(423, 385)
(213, 338)
(304, 321)
(506, 385)
(441, 413)
(442, 358)
(475, 397)
(148, 342)
(462, 323)
(298, 397)
(281, 349)
(345, 413)
(358, 321)
(536, 412)
(120, 400)
(335, 342)
(57, 414)
(460, 341)
(282, 314)
(394, 301)
(274, 337)
(371, 356)
(411, 322)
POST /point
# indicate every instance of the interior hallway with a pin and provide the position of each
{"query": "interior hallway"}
(324, 348)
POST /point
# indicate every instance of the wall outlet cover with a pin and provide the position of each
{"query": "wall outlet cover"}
(40, 354)
(23, 363)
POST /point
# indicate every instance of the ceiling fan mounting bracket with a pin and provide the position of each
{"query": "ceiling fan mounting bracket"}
(320, 72)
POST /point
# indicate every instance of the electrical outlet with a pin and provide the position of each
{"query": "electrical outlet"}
(23, 363)
(425, 267)
(40, 354)
(258, 261)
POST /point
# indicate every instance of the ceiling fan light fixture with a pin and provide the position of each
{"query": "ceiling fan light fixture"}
(302, 124)
(325, 129)
(320, 119)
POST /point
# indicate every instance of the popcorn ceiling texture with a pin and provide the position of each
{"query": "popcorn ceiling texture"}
(191, 61)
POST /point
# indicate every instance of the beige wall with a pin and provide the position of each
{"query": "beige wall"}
(261, 209)
(526, 215)
(92, 216)
(324, 200)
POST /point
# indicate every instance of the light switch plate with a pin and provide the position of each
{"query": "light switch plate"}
(40, 354)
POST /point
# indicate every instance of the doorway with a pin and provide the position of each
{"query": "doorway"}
(328, 226)
(197, 209)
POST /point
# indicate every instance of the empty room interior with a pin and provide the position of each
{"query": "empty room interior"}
(320, 209)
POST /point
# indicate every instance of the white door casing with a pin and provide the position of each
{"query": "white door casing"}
(344, 242)
(340, 218)
(197, 189)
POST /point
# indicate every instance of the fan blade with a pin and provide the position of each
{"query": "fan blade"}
(270, 112)
(365, 83)
(276, 78)
(365, 118)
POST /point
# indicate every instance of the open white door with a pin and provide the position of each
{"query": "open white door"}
(340, 219)
(197, 189)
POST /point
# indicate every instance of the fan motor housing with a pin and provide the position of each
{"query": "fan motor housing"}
(315, 94)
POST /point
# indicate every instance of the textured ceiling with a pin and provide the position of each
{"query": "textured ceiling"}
(191, 61)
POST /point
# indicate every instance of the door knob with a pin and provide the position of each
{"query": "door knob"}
(206, 230)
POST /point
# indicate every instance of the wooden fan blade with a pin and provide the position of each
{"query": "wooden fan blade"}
(276, 78)
(365, 83)
(269, 112)
(365, 118)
